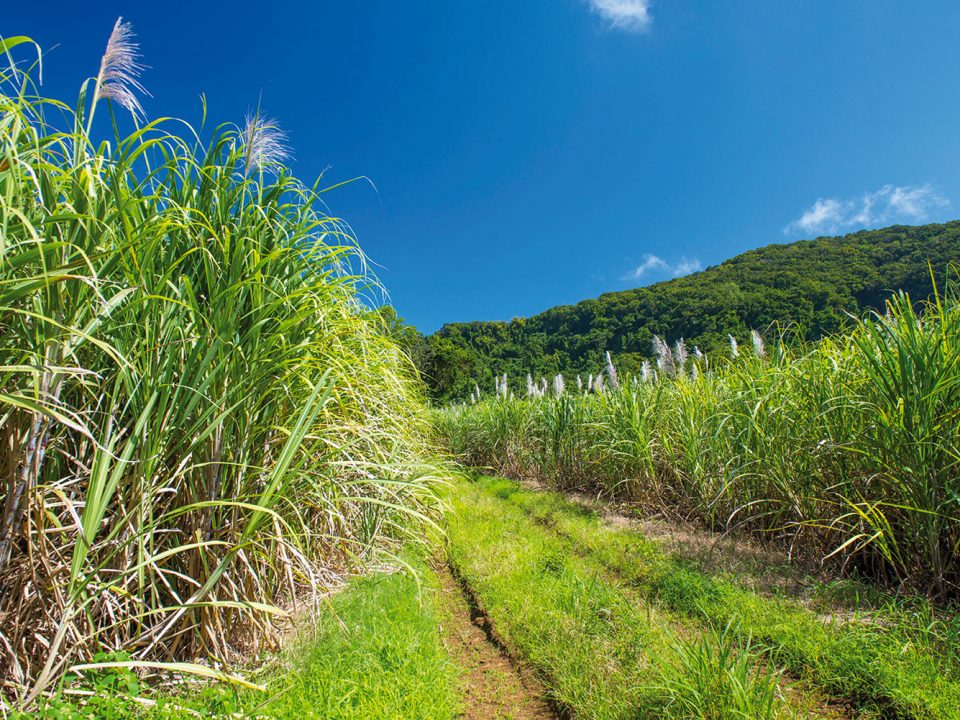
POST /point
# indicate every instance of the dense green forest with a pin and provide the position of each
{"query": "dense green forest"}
(807, 289)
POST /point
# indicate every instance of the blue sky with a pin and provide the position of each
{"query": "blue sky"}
(529, 153)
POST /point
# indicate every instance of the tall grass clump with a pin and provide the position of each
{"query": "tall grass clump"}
(716, 677)
(847, 450)
(201, 422)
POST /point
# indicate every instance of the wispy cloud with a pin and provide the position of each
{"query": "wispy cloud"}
(686, 266)
(886, 206)
(657, 266)
(630, 15)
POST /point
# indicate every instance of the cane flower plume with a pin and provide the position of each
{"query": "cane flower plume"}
(646, 373)
(680, 356)
(665, 361)
(612, 372)
(120, 68)
(559, 385)
(265, 143)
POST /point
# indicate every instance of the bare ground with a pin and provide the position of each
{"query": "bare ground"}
(494, 686)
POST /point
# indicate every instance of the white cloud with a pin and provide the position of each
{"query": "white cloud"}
(686, 266)
(649, 264)
(887, 206)
(631, 15)
(658, 266)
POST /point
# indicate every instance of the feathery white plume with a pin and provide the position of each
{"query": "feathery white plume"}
(665, 361)
(702, 358)
(734, 348)
(680, 356)
(559, 385)
(120, 69)
(758, 344)
(579, 384)
(264, 144)
(612, 372)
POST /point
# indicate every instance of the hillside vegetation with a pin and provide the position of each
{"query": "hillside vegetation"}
(807, 288)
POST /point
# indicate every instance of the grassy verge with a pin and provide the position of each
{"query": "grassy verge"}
(375, 652)
(601, 653)
(895, 670)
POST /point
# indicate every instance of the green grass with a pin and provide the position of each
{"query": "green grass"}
(602, 655)
(714, 678)
(375, 652)
(907, 670)
(378, 654)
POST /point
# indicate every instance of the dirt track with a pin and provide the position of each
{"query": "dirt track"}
(494, 686)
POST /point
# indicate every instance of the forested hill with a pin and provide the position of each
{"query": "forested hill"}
(808, 286)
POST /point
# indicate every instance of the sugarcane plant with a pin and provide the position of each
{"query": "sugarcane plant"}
(202, 422)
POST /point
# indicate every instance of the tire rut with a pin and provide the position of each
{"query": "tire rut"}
(494, 685)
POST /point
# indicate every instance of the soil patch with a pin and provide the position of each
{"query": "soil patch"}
(494, 686)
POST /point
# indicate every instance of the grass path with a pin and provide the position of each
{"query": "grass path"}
(375, 651)
(603, 652)
(879, 667)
